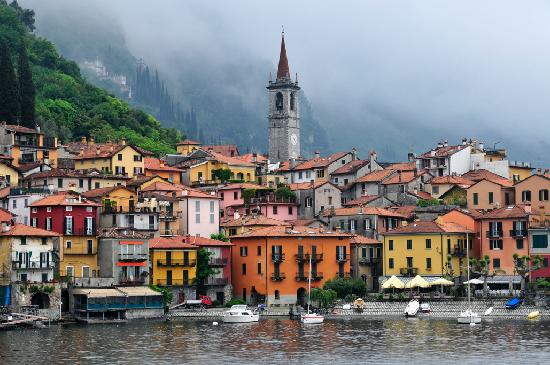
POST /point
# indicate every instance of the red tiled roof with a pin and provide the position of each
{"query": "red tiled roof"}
(104, 150)
(362, 200)
(5, 215)
(306, 222)
(161, 186)
(152, 163)
(244, 186)
(513, 211)
(19, 229)
(403, 166)
(176, 242)
(188, 142)
(482, 174)
(444, 151)
(5, 192)
(229, 160)
(351, 167)
(250, 220)
(474, 213)
(285, 231)
(405, 210)
(228, 150)
(451, 180)
(21, 129)
(62, 199)
(307, 185)
(421, 194)
(363, 210)
(204, 241)
(403, 177)
(362, 240)
(375, 176)
(420, 227)
(101, 192)
(249, 157)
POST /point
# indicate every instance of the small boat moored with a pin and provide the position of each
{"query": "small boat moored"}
(240, 314)
(312, 318)
(513, 303)
(533, 315)
(469, 316)
(425, 308)
(412, 308)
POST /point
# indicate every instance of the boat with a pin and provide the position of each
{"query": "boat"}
(412, 308)
(240, 314)
(425, 308)
(533, 315)
(513, 303)
(469, 316)
(310, 318)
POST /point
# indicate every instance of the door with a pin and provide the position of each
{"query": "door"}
(131, 205)
(168, 257)
(90, 247)
(301, 297)
(151, 222)
(220, 297)
(168, 277)
(186, 258)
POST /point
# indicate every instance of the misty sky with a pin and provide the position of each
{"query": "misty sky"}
(411, 72)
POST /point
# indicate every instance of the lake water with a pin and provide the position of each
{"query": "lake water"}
(282, 341)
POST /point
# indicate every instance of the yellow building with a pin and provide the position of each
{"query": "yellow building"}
(203, 172)
(157, 167)
(173, 261)
(27, 145)
(187, 147)
(520, 171)
(113, 199)
(425, 248)
(9, 175)
(116, 158)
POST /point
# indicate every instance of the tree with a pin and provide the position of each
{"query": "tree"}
(324, 298)
(204, 270)
(481, 267)
(9, 104)
(524, 265)
(285, 193)
(223, 175)
(346, 286)
(25, 15)
(219, 237)
(27, 92)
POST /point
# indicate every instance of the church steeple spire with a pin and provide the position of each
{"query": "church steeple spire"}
(283, 71)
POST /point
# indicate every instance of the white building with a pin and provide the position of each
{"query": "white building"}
(19, 200)
(200, 213)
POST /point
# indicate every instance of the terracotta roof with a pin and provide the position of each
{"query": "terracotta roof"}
(351, 167)
(363, 210)
(176, 242)
(513, 211)
(375, 176)
(101, 192)
(285, 231)
(5, 215)
(250, 220)
(161, 186)
(181, 191)
(420, 227)
(21, 129)
(307, 185)
(244, 186)
(482, 174)
(24, 167)
(229, 160)
(249, 157)
(306, 222)
(403, 166)
(152, 163)
(405, 210)
(73, 173)
(403, 177)
(362, 200)
(444, 151)
(188, 142)
(5, 157)
(19, 229)
(451, 180)
(228, 150)
(139, 180)
(320, 162)
(421, 194)
(204, 241)
(362, 240)
(104, 150)
(62, 199)
(5, 192)
(123, 233)
(283, 70)
(474, 213)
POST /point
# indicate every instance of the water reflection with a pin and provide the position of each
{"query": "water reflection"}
(281, 341)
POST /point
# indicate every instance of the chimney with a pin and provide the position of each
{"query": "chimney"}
(123, 141)
(254, 157)
(411, 157)
(440, 145)
(539, 171)
(83, 140)
(399, 175)
(373, 155)
(92, 140)
(292, 163)
(353, 154)
(317, 154)
(481, 145)
(37, 128)
(185, 192)
(97, 151)
(445, 143)
(464, 141)
(432, 153)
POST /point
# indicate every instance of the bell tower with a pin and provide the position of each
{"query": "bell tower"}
(284, 113)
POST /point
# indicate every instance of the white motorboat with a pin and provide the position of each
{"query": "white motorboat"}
(310, 318)
(412, 308)
(425, 308)
(469, 317)
(240, 314)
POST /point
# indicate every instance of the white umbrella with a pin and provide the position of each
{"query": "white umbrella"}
(474, 282)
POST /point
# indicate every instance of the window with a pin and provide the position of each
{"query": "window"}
(336, 180)
(34, 210)
(244, 251)
(69, 208)
(390, 263)
(68, 244)
(33, 222)
(23, 240)
(409, 244)
(59, 183)
(274, 209)
(428, 243)
(85, 271)
(543, 195)
(69, 271)
(197, 217)
(435, 189)
(279, 101)
(526, 196)
(491, 197)
(428, 263)
(81, 183)
(244, 269)
(496, 263)
(48, 223)
(516, 178)
(495, 244)
(540, 241)
(26, 203)
(14, 204)
(519, 244)
(89, 209)
(235, 195)
(96, 185)
(48, 209)
(68, 225)
(289, 210)
(390, 245)
(300, 175)
(476, 199)
(259, 250)
(366, 224)
(44, 241)
(137, 170)
(545, 262)
(308, 175)
(259, 267)
(309, 202)
(120, 156)
(352, 223)
(277, 295)
(320, 173)
(137, 158)
(329, 200)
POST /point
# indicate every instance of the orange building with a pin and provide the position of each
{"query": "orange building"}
(157, 167)
(271, 264)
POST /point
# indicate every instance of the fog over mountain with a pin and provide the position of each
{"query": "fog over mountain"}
(393, 76)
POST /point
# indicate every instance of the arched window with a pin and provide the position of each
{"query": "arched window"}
(292, 101)
(279, 101)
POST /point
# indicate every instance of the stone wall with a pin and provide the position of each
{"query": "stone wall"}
(22, 296)
(144, 313)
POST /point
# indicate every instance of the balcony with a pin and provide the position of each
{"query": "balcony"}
(518, 233)
(315, 276)
(180, 262)
(343, 274)
(173, 282)
(77, 249)
(271, 199)
(80, 232)
(132, 257)
(171, 232)
(369, 260)
(170, 216)
(278, 276)
(277, 257)
(315, 257)
(219, 261)
(32, 265)
(458, 252)
(408, 271)
(216, 281)
(131, 281)
(342, 257)
(494, 234)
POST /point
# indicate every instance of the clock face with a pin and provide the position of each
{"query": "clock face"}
(294, 139)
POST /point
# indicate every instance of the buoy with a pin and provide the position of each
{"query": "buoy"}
(214, 323)
(472, 324)
(533, 315)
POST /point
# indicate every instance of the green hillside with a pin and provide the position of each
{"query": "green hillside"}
(67, 105)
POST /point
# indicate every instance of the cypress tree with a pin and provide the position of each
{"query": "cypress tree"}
(26, 89)
(9, 104)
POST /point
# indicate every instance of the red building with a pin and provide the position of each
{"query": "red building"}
(74, 217)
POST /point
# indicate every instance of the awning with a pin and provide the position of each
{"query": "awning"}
(417, 282)
(131, 264)
(504, 279)
(138, 291)
(98, 293)
(393, 282)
